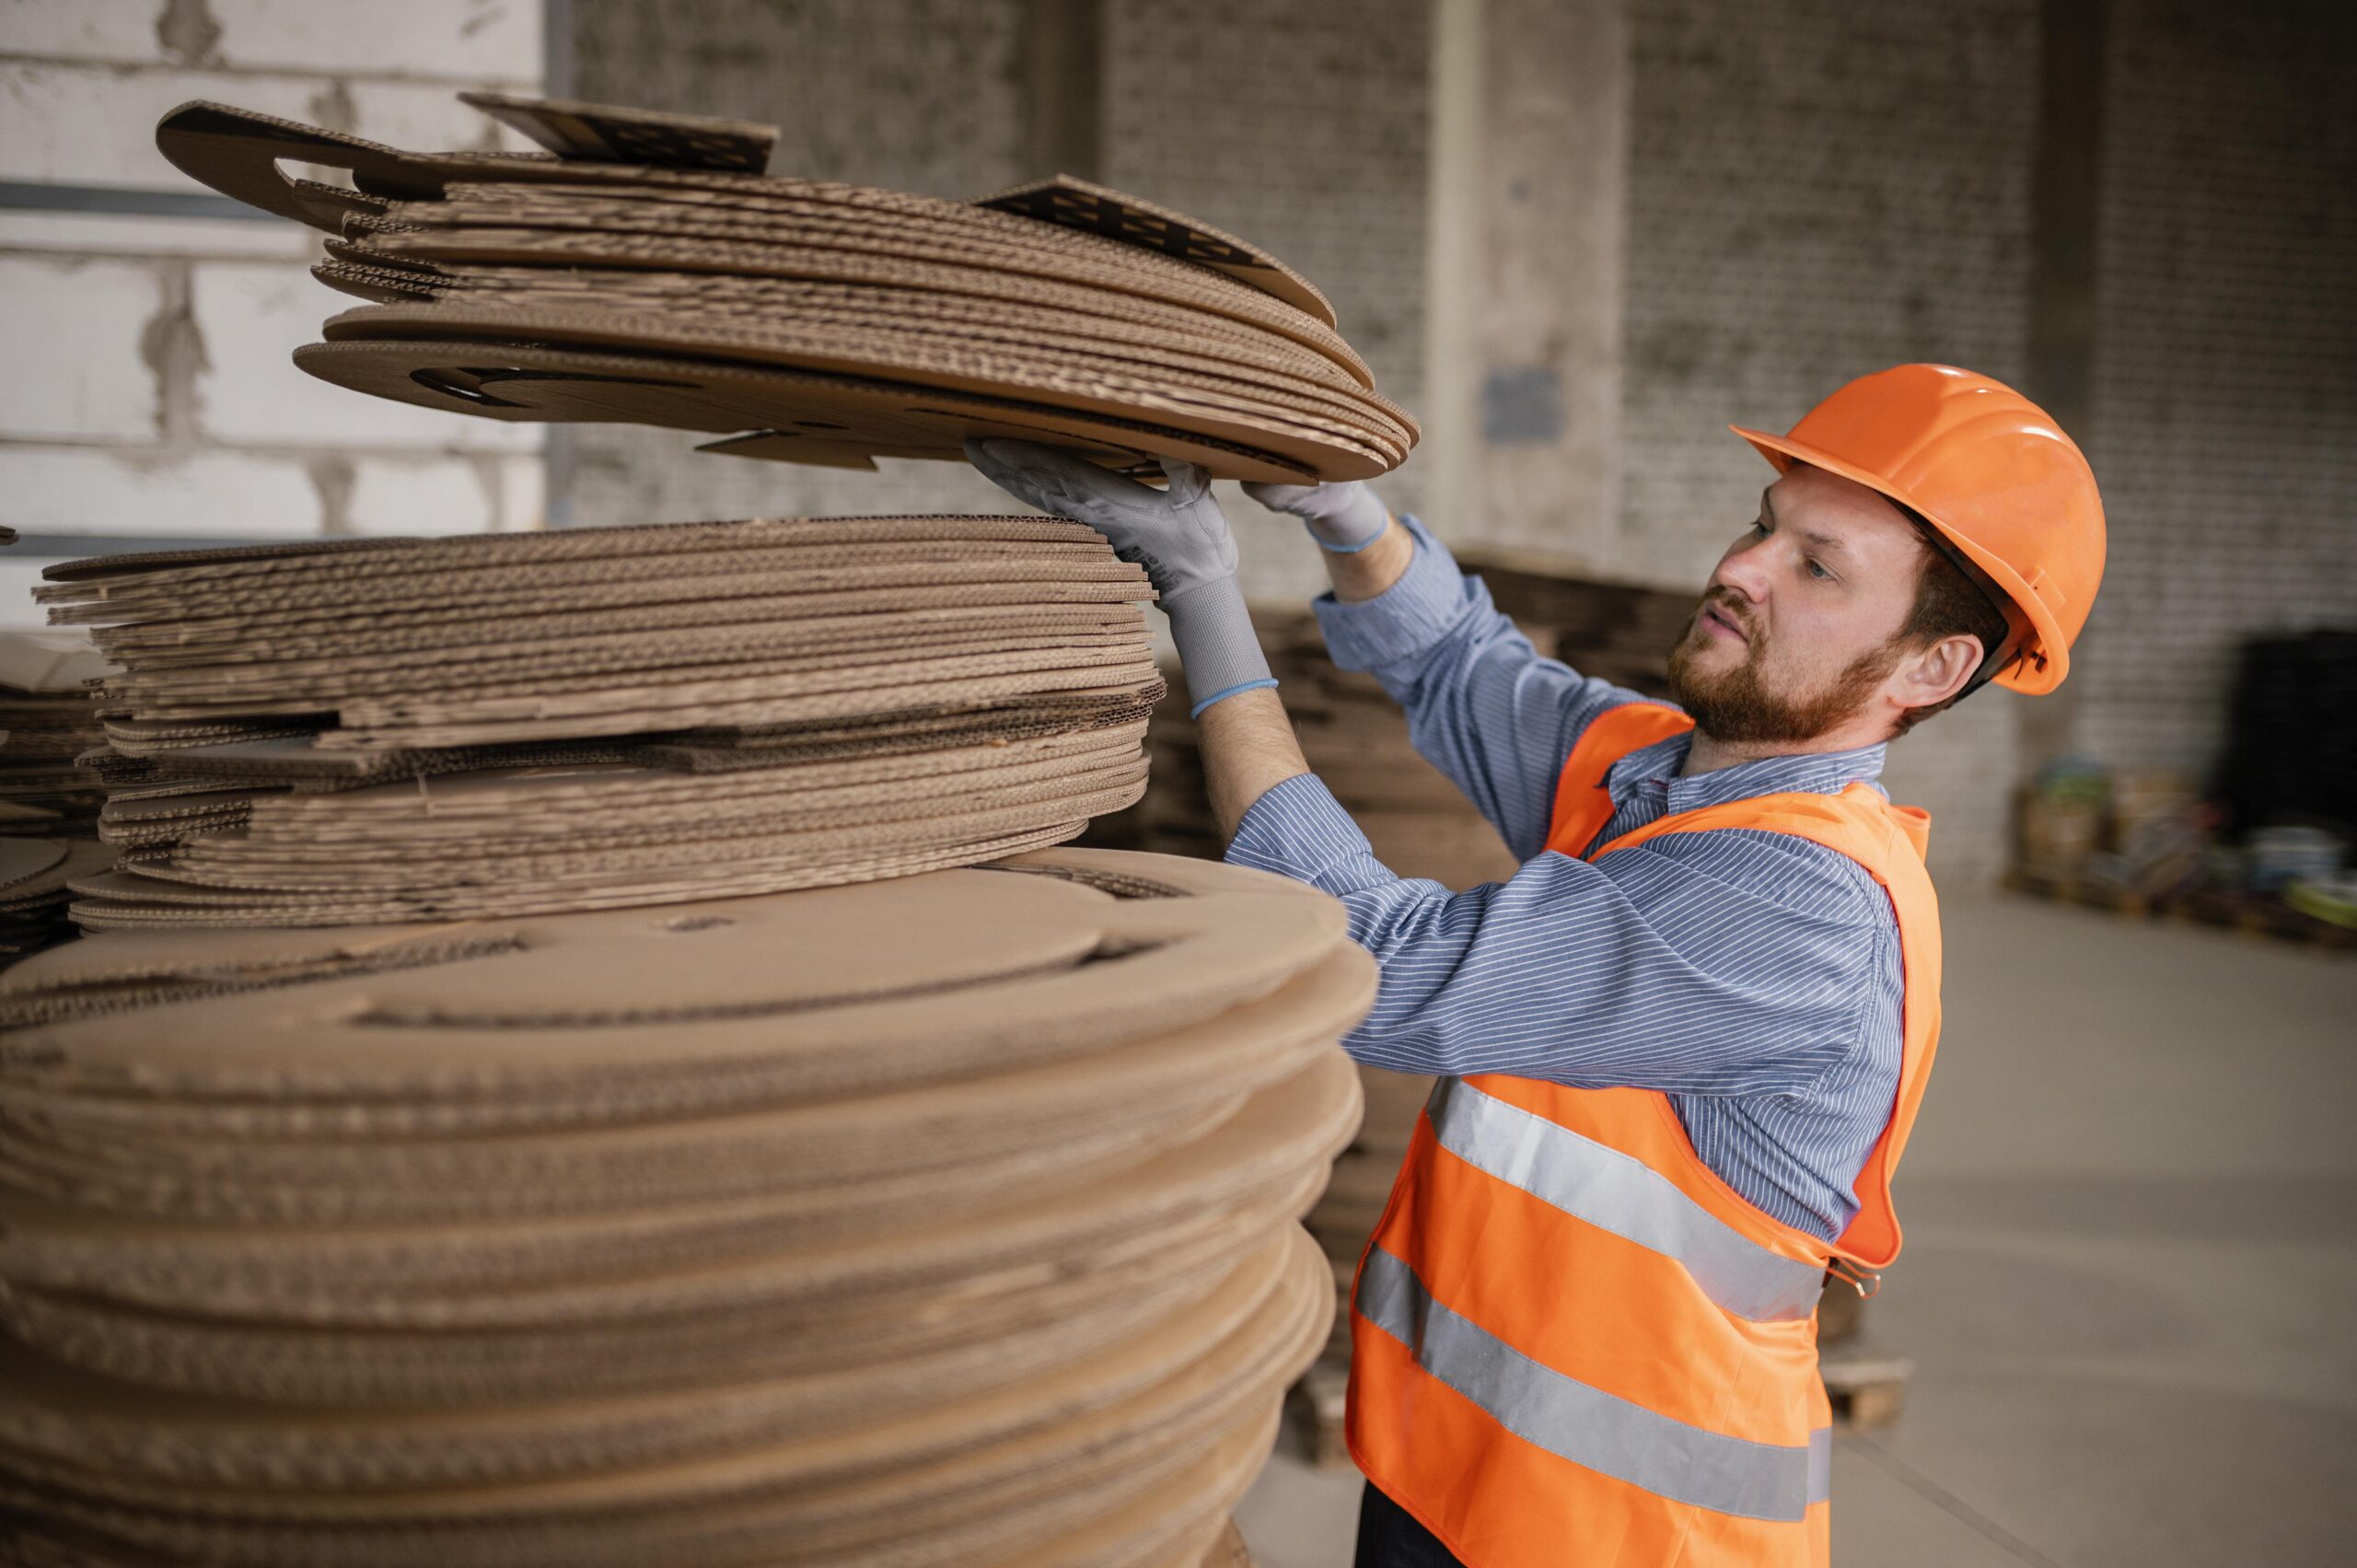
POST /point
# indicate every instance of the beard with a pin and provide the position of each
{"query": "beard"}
(1735, 705)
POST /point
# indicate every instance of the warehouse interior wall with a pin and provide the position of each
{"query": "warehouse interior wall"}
(1297, 123)
(1577, 237)
(1816, 191)
(147, 323)
(2224, 391)
(1682, 214)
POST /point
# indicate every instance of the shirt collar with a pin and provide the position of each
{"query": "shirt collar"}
(1656, 767)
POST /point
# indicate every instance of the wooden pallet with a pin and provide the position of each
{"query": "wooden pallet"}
(1229, 1551)
(2237, 911)
(1316, 1406)
(1867, 1388)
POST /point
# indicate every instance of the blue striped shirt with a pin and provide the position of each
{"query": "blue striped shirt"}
(1753, 977)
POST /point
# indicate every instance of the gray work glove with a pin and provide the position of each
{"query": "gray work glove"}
(1178, 535)
(1343, 518)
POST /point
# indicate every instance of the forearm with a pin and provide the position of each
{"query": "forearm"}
(1247, 749)
(1361, 574)
(1482, 705)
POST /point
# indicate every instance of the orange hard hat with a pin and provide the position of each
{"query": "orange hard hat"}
(1988, 468)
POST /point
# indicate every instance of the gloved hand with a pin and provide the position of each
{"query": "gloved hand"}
(1178, 535)
(1344, 519)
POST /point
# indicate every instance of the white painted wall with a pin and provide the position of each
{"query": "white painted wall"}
(149, 389)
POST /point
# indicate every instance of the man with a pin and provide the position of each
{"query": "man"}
(1680, 1049)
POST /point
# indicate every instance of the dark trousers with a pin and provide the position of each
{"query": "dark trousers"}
(1389, 1537)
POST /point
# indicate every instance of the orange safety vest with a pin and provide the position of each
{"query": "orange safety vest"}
(1573, 1344)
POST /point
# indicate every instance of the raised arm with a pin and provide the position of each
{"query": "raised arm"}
(1482, 705)
(1617, 973)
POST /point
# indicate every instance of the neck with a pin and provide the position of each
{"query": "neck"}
(1708, 753)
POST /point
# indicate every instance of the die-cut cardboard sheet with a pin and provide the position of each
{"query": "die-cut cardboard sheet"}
(49, 796)
(646, 271)
(507, 725)
(944, 1220)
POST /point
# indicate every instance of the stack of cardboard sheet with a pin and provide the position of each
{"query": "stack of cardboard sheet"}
(47, 723)
(48, 800)
(942, 1220)
(1603, 628)
(640, 273)
(499, 725)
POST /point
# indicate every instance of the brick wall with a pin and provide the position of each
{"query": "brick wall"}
(912, 95)
(2224, 388)
(1818, 189)
(149, 390)
(1304, 126)
(1299, 124)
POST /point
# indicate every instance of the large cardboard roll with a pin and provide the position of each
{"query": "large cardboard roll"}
(768, 1171)
(325, 1366)
(945, 1220)
(1066, 1436)
(1043, 958)
(1277, 1139)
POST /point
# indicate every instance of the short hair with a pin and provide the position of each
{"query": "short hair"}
(1949, 602)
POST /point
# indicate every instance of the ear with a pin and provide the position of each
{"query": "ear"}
(1928, 676)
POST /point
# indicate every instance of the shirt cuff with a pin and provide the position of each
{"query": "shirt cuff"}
(1404, 619)
(1299, 829)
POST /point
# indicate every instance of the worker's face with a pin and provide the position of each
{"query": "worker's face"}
(1798, 629)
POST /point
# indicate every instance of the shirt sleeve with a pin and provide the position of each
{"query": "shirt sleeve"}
(1718, 963)
(1482, 707)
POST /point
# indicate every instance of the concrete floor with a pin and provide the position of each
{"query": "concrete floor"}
(2130, 1278)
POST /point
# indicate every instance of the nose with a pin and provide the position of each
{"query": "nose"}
(1742, 572)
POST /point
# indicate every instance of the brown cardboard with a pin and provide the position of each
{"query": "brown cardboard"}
(644, 539)
(530, 868)
(1134, 1476)
(495, 670)
(527, 382)
(439, 1365)
(452, 249)
(1000, 339)
(1336, 435)
(989, 972)
(1077, 203)
(816, 1425)
(948, 1222)
(185, 1171)
(49, 799)
(884, 278)
(602, 133)
(882, 323)
(237, 151)
(507, 249)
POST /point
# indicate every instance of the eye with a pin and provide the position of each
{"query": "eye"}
(1817, 569)
(1759, 528)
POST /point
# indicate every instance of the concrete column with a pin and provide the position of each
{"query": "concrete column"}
(1546, 291)
(2065, 201)
(1451, 410)
(1063, 76)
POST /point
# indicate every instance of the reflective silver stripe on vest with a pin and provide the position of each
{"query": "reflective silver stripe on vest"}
(1622, 1194)
(1820, 1463)
(1598, 1431)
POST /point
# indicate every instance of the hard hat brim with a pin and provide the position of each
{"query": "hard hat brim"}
(2044, 660)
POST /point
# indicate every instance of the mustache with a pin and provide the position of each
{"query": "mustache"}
(1727, 604)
